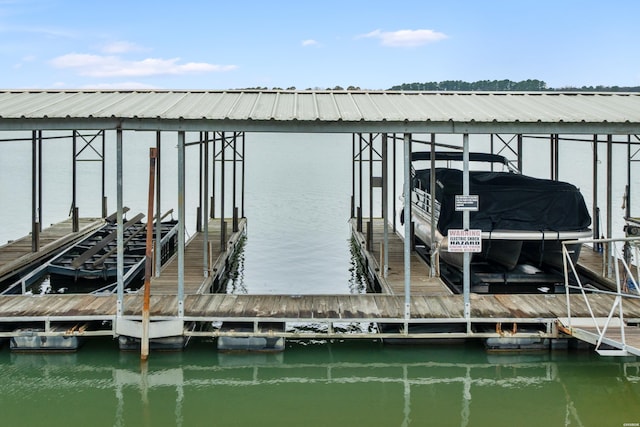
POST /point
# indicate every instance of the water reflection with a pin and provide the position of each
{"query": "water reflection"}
(332, 384)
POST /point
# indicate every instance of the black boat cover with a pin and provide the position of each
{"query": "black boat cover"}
(508, 201)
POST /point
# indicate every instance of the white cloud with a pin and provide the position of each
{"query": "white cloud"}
(115, 66)
(310, 42)
(405, 38)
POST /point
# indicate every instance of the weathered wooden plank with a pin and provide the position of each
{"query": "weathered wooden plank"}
(214, 303)
(368, 306)
(305, 307)
(226, 305)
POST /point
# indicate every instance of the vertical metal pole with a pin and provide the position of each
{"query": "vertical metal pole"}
(40, 156)
(627, 212)
(594, 204)
(74, 210)
(407, 230)
(205, 201)
(385, 203)
(200, 194)
(393, 202)
(35, 244)
(353, 174)
(103, 174)
(492, 149)
(243, 174)
(181, 222)
(519, 151)
(371, 185)
(609, 203)
(466, 284)
(432, 205)
(144, 341)
(223, 237)
(213, 177)
(234, 185)
(158, 251)
(360, 178)
(120, 225)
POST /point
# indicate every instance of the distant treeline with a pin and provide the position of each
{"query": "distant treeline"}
(531, 85)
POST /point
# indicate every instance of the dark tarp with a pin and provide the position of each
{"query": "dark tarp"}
(508, 201)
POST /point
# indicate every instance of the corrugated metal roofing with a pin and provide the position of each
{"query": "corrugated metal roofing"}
(320, 111)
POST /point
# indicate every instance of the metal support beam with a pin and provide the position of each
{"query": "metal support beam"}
(609, 254)
(595, 211)
(74, 186)
(205, 209)
(466, 280)
(407, 230)
(385, 205)
(353, 175)
(181, 221)
(120, 225)
(432, 207)
(103, 172)
(234, 202)
(223, 230)
(158, 245)
(243, 174)
(35, 228)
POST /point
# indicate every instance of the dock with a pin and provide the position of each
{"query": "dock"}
(17, 255)
(197, 278)
(435, 312)
(393, 284)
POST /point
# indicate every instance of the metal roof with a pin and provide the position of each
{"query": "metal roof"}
(323, 111)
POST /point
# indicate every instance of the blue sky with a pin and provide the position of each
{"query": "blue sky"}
(372, 44)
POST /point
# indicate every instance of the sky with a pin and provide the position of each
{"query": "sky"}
(370, 44)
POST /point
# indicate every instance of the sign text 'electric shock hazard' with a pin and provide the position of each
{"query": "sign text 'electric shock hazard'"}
(465, 240)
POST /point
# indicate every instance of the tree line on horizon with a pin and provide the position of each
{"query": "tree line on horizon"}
(530, 85)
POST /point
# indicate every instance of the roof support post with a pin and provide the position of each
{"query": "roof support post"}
(243, 176)
(223, 225)
(393, 184)
(385, 205)
(609, 254)
(181, 221)
(103, 172)
(205, 208)
(432, 206)
(35, 190)
(595, 211)
(120, 225)
(74, 186)
(466, 280)
(158, 251)
(407, 230)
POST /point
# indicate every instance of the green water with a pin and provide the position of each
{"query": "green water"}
(319, 384)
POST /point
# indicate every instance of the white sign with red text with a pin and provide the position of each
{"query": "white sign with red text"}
(465, 240)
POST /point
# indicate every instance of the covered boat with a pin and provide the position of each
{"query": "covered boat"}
(522, 219)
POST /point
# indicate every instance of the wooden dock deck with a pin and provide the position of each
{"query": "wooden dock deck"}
(543, 310)
(421, 281)
(17, 254)
(195, 281)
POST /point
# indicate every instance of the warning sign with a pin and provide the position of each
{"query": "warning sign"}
(465, 240)
(467, 203)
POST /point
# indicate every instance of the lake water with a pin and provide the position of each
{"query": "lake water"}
(297, 203)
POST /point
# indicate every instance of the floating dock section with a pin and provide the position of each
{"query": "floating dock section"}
(249, 320)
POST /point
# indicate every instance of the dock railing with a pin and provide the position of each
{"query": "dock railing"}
(628, 290)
